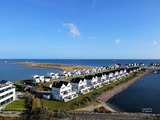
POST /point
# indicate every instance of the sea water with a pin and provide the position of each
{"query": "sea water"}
(142, 96)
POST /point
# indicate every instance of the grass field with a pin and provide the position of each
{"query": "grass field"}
(82, 100)
(20, 104)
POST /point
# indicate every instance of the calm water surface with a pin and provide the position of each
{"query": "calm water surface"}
(142, 95)
(16, 72)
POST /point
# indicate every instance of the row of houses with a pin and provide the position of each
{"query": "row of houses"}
(74, 73)
(65, 91)
(157, 64)
(38, 78)
(134, 65)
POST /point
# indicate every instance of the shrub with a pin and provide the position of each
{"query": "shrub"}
(96, 110)
(61, 114)
(88, 98)
(101, 109)
(40, 114)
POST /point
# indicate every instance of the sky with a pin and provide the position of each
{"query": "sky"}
(79, 29)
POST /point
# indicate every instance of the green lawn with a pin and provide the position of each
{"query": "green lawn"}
(20, 104)
(82, 100)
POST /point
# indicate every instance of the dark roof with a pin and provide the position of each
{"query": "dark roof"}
(64, 82)
(107, 73)
(98, 75)
(121, 69)
(36, 77)
(119, 64)
(59, 84)
(112, 71)
(3, 81)
(132, 68)
(76, 80)
(89, 77)
(47, 77)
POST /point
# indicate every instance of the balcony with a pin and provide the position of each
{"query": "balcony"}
(69, 96)
(84, 90)
(105, 82)
(98, 85)
(82, 87)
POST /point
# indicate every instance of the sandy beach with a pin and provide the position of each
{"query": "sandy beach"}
(58, 66)
(110, 93)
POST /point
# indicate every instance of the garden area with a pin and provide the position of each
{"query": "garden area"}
(17, 105)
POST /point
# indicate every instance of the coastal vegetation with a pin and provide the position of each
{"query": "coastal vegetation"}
(41, 114)
(12, 118)
(58, 66)
(101, 109)
(18, 85)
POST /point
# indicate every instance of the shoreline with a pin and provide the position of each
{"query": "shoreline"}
(110, 93)
(119, 88)
(62, 67)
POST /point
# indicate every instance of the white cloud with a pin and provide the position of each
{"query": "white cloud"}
(73, 29)
(117, 41)
(155, 42)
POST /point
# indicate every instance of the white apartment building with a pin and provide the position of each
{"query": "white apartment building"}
(7, 92)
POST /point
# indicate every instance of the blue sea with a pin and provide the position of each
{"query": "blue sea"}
(15, 72)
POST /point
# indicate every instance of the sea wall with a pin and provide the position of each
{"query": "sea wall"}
(119, 88)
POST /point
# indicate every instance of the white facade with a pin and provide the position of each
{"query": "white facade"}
(116, 75)
(105, 79)
(36, 78)
(80, 86)
(111, 77)
(121, 73)
(7, 93)
(39, 79)
(63, 92)
(52, 75)
(93, 82)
